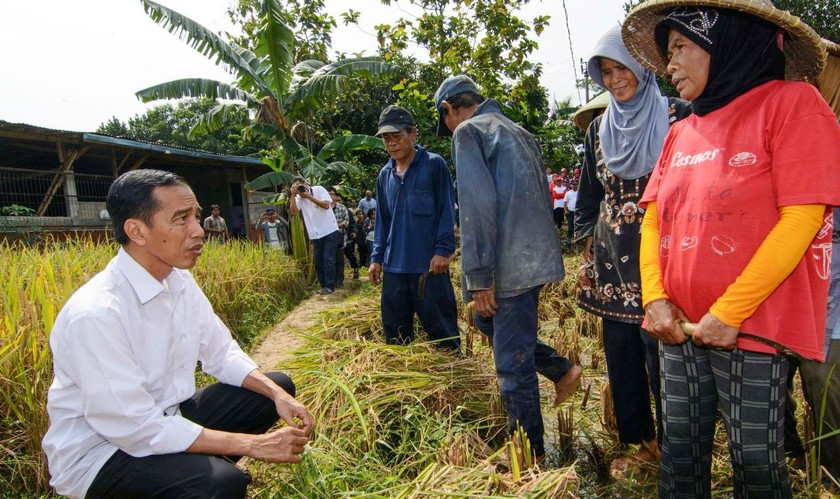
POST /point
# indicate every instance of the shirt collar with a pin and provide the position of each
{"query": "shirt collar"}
(145, 286)
(418, 151)
(487, 107)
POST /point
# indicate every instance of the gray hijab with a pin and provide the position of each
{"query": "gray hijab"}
(632, 132)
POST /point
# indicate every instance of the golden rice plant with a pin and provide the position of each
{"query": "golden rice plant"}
(39, 282)
(360, 385)
(247, 283)
(444, 480)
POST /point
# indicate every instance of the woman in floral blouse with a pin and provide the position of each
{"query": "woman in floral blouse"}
(621, 148)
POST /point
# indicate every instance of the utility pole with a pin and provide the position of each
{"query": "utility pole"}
(585, 70)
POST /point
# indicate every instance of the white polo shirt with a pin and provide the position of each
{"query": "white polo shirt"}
(319, 222)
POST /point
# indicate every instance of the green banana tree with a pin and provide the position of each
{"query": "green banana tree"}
(266, 79)
(267, 82)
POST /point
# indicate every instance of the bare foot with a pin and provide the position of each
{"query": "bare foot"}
(648, 452)
(566, 386)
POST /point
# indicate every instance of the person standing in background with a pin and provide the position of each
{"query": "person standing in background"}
(315, 205)
(215, 226)
(569, 205)
(367, 202)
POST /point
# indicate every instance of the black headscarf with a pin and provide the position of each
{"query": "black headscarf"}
(743, 49)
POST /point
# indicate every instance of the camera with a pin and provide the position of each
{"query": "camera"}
(301, 188)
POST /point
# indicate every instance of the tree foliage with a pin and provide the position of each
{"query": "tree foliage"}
(822, 15)
(171, 124)
(483, 38)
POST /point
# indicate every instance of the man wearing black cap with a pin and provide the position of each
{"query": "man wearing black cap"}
(509, 248)
(414, 237)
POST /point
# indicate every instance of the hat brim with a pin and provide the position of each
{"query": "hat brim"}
(390, 129)
(586, 114)
(442, 129)
(805, 55)
(829, 81)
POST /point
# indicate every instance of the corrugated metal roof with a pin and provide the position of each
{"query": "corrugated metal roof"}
(97, 138)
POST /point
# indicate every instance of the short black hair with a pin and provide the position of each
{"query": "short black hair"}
(132, 196)
(465, 99)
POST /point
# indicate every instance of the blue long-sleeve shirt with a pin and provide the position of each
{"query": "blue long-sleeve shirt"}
(415, 219)
(507, 233)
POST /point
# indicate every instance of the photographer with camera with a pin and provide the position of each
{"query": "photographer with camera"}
(315, 204)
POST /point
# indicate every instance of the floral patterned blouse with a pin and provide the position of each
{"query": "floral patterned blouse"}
(607, 209)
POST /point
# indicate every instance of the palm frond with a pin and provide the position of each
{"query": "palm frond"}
(275, 47)
(194, 87)
(216, 118)
(261, 129)
(271, 180)
(245, 80)
(314, 168)
(204, 41)
(325, 82)
(349, 143)
(342, 167)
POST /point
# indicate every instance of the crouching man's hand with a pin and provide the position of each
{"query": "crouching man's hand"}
(294, 413)
(281, 446)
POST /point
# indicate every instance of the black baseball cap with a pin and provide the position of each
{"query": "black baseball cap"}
(393, 119)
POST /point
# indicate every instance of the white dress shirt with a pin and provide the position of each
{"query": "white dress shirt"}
(125, 348)
(319, 222)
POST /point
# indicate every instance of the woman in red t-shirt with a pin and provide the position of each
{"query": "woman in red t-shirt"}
(734, 257)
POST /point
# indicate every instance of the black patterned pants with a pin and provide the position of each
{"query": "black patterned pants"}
(750, 389)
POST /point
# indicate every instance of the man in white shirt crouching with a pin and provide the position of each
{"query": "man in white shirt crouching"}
(125, 417)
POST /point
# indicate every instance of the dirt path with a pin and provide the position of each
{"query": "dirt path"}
(285, 337)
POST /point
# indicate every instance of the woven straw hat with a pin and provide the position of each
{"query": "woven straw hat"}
(831, 47)
(584, 116)
(805, 54)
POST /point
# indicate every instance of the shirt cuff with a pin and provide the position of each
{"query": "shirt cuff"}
(177, 436)
(237, 370)
(480, 281)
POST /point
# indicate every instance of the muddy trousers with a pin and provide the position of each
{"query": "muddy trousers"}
(749, 388)
(182, 475)
(519, 355)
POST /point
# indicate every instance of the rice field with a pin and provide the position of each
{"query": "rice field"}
(406, 422)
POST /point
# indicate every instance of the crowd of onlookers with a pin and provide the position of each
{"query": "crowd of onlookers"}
(355, 220)
(563, 187)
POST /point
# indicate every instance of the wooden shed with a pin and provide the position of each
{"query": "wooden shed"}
(62, 177)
